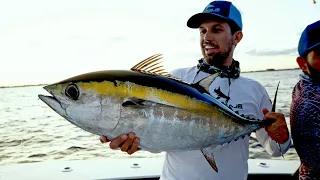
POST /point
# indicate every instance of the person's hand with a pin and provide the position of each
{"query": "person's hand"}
(126, 142)
(277, 128)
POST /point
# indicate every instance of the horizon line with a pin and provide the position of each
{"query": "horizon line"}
(42, 84)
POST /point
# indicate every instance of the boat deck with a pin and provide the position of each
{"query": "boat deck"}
(129, 168)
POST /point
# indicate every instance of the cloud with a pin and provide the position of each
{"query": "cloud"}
(269, 52)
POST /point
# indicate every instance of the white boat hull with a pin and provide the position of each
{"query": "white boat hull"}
(128, 168)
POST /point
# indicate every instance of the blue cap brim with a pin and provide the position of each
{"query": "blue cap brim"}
(306, 52)
(196, 20)
(314, 47)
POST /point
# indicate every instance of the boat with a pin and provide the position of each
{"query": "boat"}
(130, 169)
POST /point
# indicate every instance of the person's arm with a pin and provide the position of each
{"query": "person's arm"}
(276, 133)
(305, 116)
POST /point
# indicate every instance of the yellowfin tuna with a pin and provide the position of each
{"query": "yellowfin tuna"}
(166, 113)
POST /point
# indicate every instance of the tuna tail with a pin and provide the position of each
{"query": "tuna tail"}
(208, 154)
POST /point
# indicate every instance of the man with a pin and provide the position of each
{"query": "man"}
(220, 28)
(305, 107)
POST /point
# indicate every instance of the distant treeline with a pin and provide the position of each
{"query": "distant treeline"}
(23, 85)
(271, 70)
(242, 72)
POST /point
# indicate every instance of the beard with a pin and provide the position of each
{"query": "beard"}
(218, 59)
(313, 73)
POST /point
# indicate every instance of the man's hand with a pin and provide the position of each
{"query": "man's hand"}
(277, 128)
(127, 142)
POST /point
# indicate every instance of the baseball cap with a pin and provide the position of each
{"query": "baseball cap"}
(310, 39)
(221, 9)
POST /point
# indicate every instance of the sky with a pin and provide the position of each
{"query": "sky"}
(45, 41)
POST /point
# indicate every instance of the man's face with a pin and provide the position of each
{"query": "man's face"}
(311, 64)
(216, 41)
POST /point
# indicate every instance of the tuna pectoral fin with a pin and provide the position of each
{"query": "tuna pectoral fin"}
(207, 152)
(133, 102)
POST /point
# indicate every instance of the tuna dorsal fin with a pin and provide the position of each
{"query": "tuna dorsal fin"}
(206, 82)
(207, 152)
(153, 66)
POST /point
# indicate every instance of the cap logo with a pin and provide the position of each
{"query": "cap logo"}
(212, 9)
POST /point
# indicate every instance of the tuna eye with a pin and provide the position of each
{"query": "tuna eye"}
(72, 91)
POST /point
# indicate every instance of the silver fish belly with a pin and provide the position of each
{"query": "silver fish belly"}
(167, 128)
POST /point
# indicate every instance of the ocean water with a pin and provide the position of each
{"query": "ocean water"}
(31, 132)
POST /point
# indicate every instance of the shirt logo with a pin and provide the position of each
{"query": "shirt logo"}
(221, 95)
